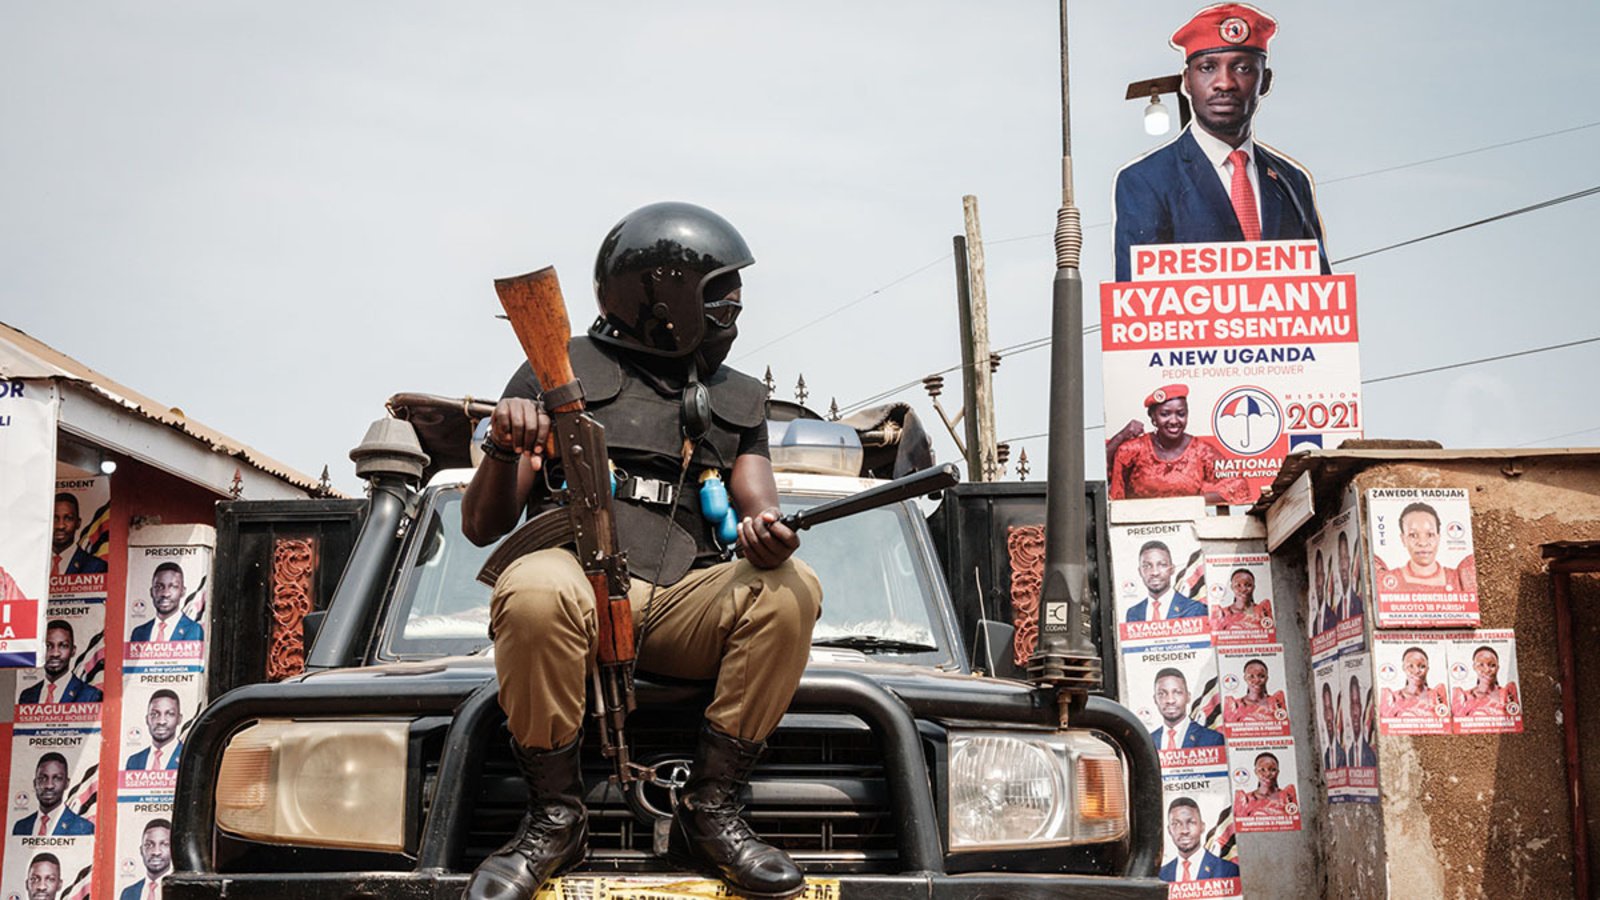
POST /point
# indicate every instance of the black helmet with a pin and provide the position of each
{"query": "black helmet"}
(651, 274)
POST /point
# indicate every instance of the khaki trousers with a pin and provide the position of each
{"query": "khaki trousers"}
(748, 628)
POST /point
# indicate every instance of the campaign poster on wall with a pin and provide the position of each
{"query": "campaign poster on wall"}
(144, 841)
(80, 536)
(1411, 671)
(1484, 694)
(1360, 726)
(1322, 607)
(68, 689)
(48, 867)
(1159, 571)
(158, 709)
(1218, 358)
(1423, 568)
(1172, 688)
(1199, 856)
(1241, 595)
(1344, 584)
(1264, 776)
(1331, 744)
(53, 788)
(1253, 700)
(27, 477)
(168, 595)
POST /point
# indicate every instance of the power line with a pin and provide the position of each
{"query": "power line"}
(830, 314)
(1474, 362)
(1434, 159)
(1576, 195)
(1557, 437)
(1546, 204)
(1044, 234)
(1460, 365)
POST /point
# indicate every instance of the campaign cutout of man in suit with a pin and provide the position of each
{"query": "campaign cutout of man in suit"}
(1192, 863)
(50, 779)
(63, 533)
(1178, 731)
(155, 848)
(1162, 602)
(59, 685)
(162, 717)
(1361, 753)
(1215, 182)
(44, 877)
(166, 593)
(1333, 755)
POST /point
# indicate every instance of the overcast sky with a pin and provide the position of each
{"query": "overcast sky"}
(275, 215)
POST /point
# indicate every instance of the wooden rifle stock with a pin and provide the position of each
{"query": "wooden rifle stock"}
(538, 315)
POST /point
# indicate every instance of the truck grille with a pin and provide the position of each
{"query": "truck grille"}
(819, 793)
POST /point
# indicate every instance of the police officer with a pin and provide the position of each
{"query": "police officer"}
(667, 280)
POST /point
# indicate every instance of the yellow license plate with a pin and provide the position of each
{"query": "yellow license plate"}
(655, 887)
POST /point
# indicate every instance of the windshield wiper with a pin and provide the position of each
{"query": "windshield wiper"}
(869, 643)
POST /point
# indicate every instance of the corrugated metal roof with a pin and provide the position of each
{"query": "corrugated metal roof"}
(24, 356)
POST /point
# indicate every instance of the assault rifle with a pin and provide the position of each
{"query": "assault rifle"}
(538, 314)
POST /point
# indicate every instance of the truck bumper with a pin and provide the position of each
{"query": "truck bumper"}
(448, 886)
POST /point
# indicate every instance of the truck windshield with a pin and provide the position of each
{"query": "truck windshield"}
(877, 584)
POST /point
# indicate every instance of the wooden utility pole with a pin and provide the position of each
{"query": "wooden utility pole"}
(978, 381)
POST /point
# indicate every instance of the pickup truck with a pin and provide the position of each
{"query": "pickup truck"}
(901, 769)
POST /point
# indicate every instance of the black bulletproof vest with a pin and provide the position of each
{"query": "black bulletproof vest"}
(644, 440)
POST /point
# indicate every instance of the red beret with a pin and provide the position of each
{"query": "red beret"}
(1163, 394)
(1225, 26)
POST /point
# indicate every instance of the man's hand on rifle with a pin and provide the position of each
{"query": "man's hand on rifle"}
(521, 426)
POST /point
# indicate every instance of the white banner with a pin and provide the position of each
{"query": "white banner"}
(27, 487)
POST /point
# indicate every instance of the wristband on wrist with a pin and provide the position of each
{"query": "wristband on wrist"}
(496, 452)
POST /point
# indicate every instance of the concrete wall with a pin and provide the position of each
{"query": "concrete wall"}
(1483, 815)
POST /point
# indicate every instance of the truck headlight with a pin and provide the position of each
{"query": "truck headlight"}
(340, 784)
(1009, 789)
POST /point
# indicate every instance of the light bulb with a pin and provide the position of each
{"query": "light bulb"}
(1156, 118)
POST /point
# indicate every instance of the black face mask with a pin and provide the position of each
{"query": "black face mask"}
(714, 347)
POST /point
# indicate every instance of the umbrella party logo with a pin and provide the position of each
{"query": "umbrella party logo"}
(1247, 421)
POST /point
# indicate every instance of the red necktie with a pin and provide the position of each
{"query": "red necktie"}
(156, 755)
(1244, 199)
(55, 564)
(44, 822)
(50, 693)
(161, 630)
(1155, 610)
(1186, 872)
(1172, 738)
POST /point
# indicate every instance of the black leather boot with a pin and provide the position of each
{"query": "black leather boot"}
(553, 836)
(707, 827)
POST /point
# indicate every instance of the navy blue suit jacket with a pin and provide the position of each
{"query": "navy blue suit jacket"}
(1172, 195)
(1211, 866)
(187, 629)
(67, 823)
(1197, 736)
(75, 692)
(1182, 608)
(83, 563)
(133, 891)
(141, 760)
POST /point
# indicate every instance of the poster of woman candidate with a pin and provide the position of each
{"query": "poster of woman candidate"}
(1264, 776)
(1254, 703)
(1411, 668)
(1241, 594)
(1485, 696)
(1423, 569)
(27, 479)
